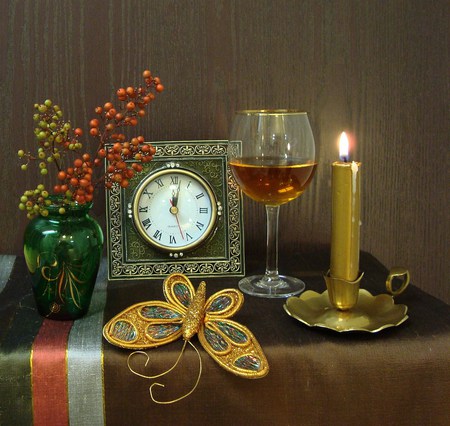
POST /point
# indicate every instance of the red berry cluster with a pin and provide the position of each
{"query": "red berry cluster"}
(76, 181)
(124, 156)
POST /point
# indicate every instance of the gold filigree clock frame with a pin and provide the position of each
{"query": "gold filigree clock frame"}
(131, 258)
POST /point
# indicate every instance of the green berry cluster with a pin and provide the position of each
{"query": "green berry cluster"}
(35, 202)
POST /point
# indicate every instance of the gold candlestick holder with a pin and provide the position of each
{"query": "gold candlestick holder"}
(344, 306)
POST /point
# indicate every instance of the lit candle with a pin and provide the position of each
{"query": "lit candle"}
(345, 215)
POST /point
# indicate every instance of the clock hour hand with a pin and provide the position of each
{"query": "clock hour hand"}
(174, 211)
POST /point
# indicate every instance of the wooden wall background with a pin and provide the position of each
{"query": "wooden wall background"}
(378, 69)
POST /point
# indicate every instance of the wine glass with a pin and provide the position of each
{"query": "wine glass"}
(276, 164)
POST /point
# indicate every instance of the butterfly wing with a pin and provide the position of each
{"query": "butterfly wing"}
(151, 324)
(145, 325)
(178, 290)
(234, 348)
(229, 343)
(224, 303)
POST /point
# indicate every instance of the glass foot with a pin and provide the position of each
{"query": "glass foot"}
(264, 286)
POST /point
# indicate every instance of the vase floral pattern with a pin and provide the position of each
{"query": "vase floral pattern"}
(63, 253)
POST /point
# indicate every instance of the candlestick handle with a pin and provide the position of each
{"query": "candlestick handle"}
(397, 273)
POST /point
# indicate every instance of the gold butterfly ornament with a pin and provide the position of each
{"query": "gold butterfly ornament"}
(186, 313)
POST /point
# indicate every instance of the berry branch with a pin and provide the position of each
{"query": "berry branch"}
(57, 139)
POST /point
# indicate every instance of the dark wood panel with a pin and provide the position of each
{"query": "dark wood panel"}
(376, 69)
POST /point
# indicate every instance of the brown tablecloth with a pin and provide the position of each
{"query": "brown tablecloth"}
(399, 376)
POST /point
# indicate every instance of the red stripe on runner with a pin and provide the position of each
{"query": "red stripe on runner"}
(49, 374)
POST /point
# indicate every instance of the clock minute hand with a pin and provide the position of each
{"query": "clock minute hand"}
(175, 195)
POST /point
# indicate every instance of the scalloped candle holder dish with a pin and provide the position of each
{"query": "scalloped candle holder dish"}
(370, 314)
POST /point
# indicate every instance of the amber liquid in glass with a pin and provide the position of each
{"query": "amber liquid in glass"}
(272, 181)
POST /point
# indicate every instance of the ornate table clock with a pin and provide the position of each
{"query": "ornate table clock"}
(182, 213)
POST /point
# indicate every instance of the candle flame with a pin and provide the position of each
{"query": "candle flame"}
(343, 147)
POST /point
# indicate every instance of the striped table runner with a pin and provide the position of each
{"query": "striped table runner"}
(59, 373)
(51, 372)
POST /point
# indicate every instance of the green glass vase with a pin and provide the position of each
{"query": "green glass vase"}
(63, 254)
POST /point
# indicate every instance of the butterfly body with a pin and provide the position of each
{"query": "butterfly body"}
(186, 313)
(195, 313)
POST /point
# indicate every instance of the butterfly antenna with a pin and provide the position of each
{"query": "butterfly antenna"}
(148, 359)
(192, 390)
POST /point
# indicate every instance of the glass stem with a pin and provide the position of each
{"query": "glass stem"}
(272, 213)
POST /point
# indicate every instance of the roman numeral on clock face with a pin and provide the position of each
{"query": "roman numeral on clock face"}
(146, 223)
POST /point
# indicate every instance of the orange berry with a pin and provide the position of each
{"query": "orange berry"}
(78, 162)
(138, 167)
(131, 106)
(62, 175)
(80, 199)
(159, 88)
(131, 92)
(147, 74)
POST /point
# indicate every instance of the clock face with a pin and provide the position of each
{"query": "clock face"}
(174, 210)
